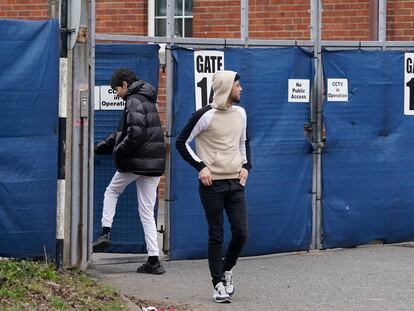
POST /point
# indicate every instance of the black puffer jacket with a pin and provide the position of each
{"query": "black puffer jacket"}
(138, 145)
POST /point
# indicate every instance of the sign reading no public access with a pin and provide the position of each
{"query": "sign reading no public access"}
(298, 90)
(337, 90)
(205, 64)
(409, 84)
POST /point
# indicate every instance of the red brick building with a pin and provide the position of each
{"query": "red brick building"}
(268, 19)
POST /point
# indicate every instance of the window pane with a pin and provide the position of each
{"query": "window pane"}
(178, 8)
(160, 27)
(188, 7)
(160, 7)
(188, 27)
(178, 27)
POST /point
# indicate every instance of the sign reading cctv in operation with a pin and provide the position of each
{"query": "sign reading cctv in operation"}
(337, 90)
(409, 84)
(205, 64)
(106, 99)
(298, 90)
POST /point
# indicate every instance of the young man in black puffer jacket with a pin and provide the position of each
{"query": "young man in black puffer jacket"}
(138, 150)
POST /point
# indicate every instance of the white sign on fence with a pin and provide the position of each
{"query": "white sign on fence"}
(205, 64)
(109, 99)
(106, 99)
(409, 84)
(337, 90)
(298, 90)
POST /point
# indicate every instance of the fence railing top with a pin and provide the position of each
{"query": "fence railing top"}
(232, 42)
(367, 44)
(205, 41)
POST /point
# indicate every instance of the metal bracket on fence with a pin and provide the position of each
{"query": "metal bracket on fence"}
(67, 30)
(308, 132)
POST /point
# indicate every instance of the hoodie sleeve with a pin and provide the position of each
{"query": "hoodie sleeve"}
(195, 125)
(244, 144)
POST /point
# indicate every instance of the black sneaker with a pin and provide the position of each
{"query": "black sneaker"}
(151, 269)
(104, 241)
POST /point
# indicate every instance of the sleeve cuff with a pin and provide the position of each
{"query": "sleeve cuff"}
(200, 166)
(247, 166)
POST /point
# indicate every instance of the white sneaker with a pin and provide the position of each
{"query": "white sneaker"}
(220, 295)
(228, 282)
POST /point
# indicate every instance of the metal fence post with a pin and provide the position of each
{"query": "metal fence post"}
(169, 119)
(317, 125)
(91, 125)
(244, 21)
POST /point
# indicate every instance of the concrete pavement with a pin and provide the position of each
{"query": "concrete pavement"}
(377, 277)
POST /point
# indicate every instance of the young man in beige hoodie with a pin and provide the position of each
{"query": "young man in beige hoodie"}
(223, 163)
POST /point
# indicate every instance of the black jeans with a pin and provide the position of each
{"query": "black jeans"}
(226, 195)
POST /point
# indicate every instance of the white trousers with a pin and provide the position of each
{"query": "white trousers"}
(146, 195)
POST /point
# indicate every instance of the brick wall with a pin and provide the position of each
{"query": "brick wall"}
(216, 18)
(268, 19)
(281, 20)
(23, 9)
(345, 20)
(163, 113)
(274, 19)
(400, 20)
(121, 17)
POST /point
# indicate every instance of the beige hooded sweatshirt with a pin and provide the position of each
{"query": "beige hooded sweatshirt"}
(220, 133)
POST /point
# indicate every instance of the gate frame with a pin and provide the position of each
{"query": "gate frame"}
(316, 44)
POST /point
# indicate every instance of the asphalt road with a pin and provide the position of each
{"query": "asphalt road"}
(377, 277)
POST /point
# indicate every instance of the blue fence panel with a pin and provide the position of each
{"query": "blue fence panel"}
(29, 100)
(127, 232)
(368, 174)
(279, 186)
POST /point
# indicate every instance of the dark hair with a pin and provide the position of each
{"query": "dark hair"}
(237, 77)
(123, 74)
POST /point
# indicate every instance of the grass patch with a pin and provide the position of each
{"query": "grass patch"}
(32, 285)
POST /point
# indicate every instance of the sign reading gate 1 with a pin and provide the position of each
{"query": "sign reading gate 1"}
(409, 84)
(205, 64)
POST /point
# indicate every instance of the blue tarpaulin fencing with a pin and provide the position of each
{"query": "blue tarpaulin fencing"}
(127, 232)
(279, 185)
(29, 100)
(368, 173)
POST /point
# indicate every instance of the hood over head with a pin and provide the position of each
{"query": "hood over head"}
(222, 84)
(143, 88)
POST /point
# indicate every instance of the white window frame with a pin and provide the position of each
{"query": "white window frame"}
(151, 18)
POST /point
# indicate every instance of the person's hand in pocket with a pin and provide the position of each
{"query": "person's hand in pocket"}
(205, 176)
(243, 176)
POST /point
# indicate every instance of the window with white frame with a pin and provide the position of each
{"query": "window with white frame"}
(183, 18)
